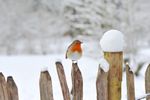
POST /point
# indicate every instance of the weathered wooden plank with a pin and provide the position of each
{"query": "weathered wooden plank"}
(77, 82)
(130, 83)
(63, 82)
(46, 91)
(115, 60)
(102, 84)
(12, 89)
(3, 88)
(147, 81)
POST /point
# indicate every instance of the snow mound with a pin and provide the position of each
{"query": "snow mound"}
(44, 69)
(112, 41)
(132, 67)
(104, 64)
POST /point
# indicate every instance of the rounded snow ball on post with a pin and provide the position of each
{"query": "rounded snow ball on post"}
(112, 41)
(112, 44)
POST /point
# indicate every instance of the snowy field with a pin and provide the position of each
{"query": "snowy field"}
(42, 27)
(26, 72)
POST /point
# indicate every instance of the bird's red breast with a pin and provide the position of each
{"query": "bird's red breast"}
(76, 47)
(74, 51)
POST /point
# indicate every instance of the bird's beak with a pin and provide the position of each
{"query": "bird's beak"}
(81, 42)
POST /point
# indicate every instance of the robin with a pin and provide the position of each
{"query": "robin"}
(74, 51)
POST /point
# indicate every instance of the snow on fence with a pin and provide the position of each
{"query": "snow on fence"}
(109, 77)
(108, 82)
(9, 91)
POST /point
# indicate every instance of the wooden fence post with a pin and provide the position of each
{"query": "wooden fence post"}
(147, 81)
(102, 85)
(46, 91)
(63, 82)
(3, 88)
(115, 60)
(12, 89)
(130, 83)
(77, 82)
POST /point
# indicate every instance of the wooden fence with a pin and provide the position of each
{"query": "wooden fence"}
(9, 91)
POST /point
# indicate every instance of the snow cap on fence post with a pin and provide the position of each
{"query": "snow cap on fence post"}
(112, 45)
(104, 64)
(112, 41)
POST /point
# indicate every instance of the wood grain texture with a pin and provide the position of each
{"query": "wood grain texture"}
(77, 82)
(147, 81)
(46, 91)
(3, 88)
(130, 83)
(115, 60)
(63, 82)
(102, 85)
(12, 89)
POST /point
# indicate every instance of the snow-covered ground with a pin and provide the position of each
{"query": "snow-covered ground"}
(44, 27)
(26, 71)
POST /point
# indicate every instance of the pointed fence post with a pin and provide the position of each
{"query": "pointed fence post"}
(3, 88)
(130, 83)
(77, 82)
(63, 82)
(147, 81)
(12, 89)
(115, 60)
(46, 91)
(102, 85)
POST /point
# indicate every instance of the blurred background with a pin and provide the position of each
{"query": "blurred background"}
(47, 26)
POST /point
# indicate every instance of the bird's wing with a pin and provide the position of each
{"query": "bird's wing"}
(68, 50)
(66, 54)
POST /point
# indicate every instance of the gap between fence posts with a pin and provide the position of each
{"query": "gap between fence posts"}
(63, 82)
(46, 91)
(102, 84)
(130, 83)
(77, 82)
